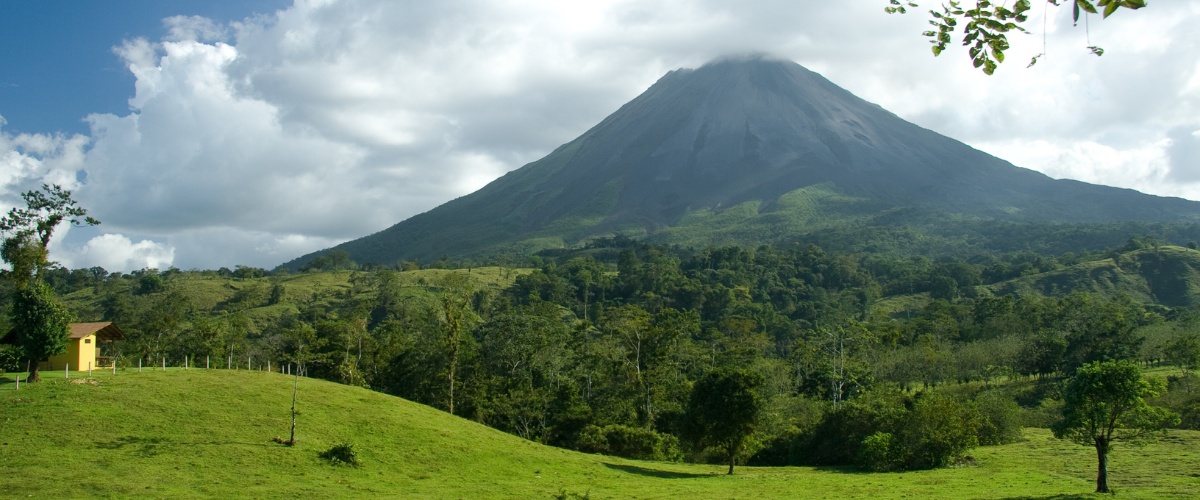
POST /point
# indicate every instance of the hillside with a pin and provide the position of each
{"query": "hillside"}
(251, 297)
(201, 433)
(751, 151)
(1168, 276)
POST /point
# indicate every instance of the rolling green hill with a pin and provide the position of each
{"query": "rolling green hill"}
(1168, 276)
(208, 292)
(208, 433)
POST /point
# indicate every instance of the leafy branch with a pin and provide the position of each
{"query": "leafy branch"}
(986, 25)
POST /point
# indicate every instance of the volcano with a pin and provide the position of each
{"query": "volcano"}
(745, 151)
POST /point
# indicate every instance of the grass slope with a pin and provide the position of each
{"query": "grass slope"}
(1168, 275)
(201, 433)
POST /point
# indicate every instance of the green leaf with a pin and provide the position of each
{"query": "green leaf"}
(1110, 8)
(937, 51)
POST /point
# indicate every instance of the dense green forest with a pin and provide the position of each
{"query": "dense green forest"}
(884, 360)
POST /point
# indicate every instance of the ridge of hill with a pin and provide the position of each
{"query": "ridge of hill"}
(208, 433)
(749, 151)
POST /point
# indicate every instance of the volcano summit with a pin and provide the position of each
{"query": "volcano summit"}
(746, 151)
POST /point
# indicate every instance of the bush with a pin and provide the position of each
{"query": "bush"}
(837, 439)
(879, 453)
(341, 454)
(938, 430)
(10, 359)
(1001, 419)
(629, 442)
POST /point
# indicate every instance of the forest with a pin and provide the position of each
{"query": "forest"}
(884, 361)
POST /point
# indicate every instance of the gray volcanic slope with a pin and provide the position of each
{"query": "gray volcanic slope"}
(738, 130)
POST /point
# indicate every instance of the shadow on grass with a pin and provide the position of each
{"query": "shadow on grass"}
(847, 469)
(1051, 497)
(149, 447)
(648, 472)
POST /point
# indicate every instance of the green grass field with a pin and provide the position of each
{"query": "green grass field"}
(208, 433)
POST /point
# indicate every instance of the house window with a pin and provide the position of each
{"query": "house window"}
(87, 341)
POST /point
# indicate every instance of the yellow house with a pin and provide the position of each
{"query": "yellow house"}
(82, 346)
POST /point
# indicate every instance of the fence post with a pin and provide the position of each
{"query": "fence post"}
(66, 370)
(89, 369)
(139, 365)
(164, 363)
(206, 362)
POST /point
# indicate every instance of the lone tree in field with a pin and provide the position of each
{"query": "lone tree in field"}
(1105, 402)
(723, 411)
(40, 321)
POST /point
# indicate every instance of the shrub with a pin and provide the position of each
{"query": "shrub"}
(629, 442)
(1001, 419)
(879, 453)
(341, 454)
(939, 429)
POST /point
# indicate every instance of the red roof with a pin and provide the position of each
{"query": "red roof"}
(104, 331)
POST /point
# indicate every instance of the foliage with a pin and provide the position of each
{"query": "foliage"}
(30, 228)
(938, 430)
(723, 411)
(629, 442)
(40, 321)
(341, 454)
(1105, 402)
(986, 24)
(1001, 418)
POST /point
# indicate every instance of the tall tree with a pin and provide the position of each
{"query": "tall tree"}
(457, 292)
(723, 411)
(41, 323)
(1105, 402)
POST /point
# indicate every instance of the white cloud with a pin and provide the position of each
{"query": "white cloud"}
(253, 142)
(115, 252)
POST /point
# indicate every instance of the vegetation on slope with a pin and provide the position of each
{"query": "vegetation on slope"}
(208, 433)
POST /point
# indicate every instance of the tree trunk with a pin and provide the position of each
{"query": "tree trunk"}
(1102, 472)
(732, 456)
(34, 375)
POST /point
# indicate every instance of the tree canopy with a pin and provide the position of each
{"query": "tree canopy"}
(1105, 402)
(723, 411)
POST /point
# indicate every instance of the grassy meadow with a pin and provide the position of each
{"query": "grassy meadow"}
(209, 433)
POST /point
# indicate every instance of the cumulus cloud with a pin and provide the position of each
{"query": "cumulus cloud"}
(255, 141)
(116, 252)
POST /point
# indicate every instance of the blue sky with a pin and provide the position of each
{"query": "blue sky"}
(58, 65)
(204, 135)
